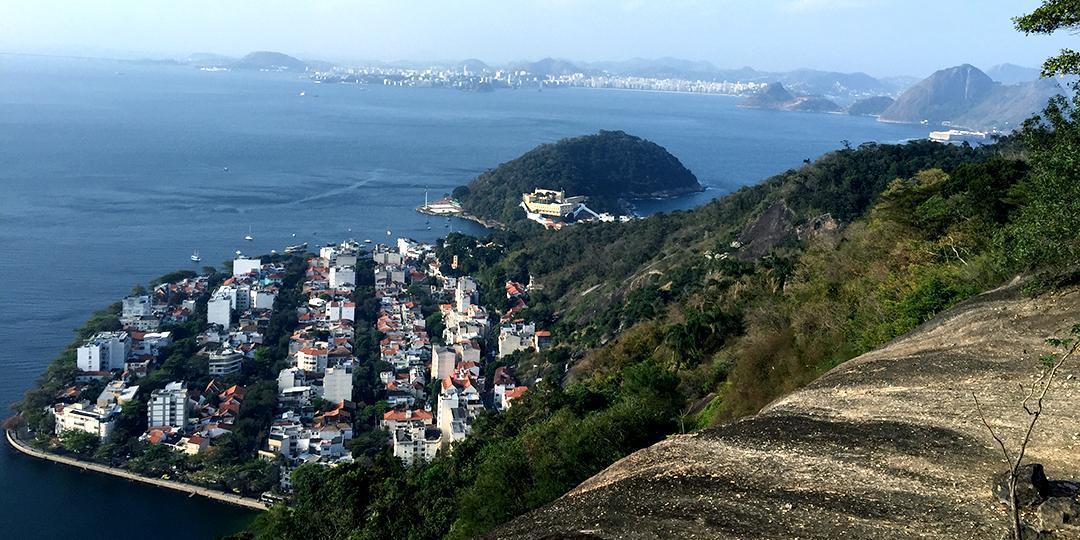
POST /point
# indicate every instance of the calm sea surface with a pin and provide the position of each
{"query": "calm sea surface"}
(112, 173)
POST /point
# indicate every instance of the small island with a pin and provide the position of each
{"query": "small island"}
(610, 168)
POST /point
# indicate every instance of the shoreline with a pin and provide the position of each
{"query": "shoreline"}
(190, 489)
(490, 224)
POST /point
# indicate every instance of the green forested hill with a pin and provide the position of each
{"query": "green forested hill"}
(610, 167)
(663, 326)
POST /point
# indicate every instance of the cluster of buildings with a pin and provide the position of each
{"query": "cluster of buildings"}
(554, 209)
(321, 367)
(135, 347)
(406, 347)
(190, 419)
(462, 77)
(248, 295)
(434, 390)
(120, 356)
(454, 365)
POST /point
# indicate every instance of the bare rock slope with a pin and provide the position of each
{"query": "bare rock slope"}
(887, 445)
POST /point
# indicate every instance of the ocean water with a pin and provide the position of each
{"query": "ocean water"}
(111, 174)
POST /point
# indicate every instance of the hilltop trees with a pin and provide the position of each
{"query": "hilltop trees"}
(1051, 16)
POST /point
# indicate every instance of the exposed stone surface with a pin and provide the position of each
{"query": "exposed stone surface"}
(1032, 487)
(1057, 512)
(773, 227)
(885, 446)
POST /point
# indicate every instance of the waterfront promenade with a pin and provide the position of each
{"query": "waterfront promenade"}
(214, 494)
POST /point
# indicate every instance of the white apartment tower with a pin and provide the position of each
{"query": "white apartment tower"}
(168, 406)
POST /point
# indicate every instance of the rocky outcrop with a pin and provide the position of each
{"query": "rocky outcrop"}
(885, 446)
(775, 226)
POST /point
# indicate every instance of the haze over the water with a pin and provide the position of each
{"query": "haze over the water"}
(880, 37)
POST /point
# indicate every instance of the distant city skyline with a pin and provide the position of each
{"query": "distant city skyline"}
(879, 37)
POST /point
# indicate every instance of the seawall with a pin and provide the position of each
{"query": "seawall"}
(231, 498)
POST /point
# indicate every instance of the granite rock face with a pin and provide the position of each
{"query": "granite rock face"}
(885, 446)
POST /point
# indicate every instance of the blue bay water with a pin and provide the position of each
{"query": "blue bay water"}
(112, 173)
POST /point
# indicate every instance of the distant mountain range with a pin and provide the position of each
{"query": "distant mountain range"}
(1012, 73)
(832, 85)
(966, 96)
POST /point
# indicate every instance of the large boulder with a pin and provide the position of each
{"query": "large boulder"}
(1057, 512)
(1032, 487)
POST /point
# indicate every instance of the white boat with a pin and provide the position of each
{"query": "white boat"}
(248, 236)
(195, 256)
(388, 233)
(367, 241)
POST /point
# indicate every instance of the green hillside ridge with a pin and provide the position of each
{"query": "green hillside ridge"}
(610, 167)
(662, 327)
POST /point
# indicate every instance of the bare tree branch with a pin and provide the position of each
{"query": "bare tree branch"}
(1041, 385)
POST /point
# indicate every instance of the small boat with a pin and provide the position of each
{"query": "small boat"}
(298, 248)
(248, 236)
(388, 233)
(368, 241)
(225, 169)
(302, 93)
(195, 256)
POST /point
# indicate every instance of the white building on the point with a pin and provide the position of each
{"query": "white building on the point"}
(85, 417)
(104, 351)
(168, 406)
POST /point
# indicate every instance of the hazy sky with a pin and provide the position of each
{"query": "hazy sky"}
(880, 37)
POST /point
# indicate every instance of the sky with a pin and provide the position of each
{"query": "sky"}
(879, 37)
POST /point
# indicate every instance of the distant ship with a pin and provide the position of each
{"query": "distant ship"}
(248, 236)
(298, 248)
(195, 256)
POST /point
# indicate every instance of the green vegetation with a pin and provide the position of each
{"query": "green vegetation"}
(609, 167)
(684, 332)
(1051, 16)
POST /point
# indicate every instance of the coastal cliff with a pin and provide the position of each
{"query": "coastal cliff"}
(888, 445)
